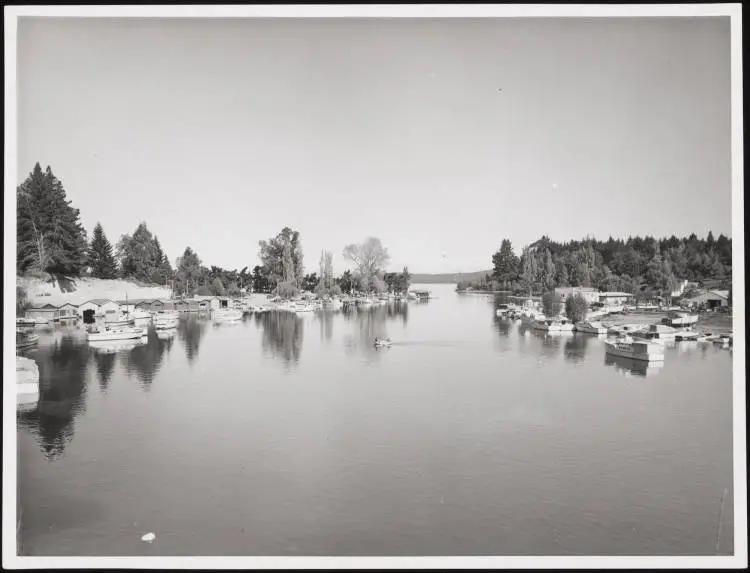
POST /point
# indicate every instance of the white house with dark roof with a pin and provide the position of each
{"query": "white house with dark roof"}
(590, 294)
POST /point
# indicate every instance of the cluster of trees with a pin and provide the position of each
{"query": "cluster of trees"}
(282, 270)
(51, 239)
(614, 265)
(49, 235)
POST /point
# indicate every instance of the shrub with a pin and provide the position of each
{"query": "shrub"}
(576, 307)
(551, 303)
(286, 290)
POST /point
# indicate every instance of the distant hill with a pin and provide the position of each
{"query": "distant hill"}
(447, 278)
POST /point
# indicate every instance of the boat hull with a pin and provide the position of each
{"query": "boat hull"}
(653, 355)
(116, 335)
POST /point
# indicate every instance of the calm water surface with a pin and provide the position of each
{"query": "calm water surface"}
(292, 435)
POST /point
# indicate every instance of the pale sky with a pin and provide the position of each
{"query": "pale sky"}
(440, 137)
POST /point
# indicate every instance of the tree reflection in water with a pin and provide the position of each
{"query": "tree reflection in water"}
(191, 329)
(326, 324)
(145, 359)
(576, 345)
(105, 365)
(283, 335)
(62, 394)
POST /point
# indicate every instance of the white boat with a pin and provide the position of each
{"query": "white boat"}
(591, 327)
(303, 307)
(25, 339)
(119, 320)
(25, 322)
(627, 347)
(165, 334)
(503, 310)
(27, 383)
(680, 319)
(114, 333)
(657, 332)
(621, 329)
(113, 346)
(165, 322)
(140, 314)
(228, 315)
(554, 325)
(382, 342)
(688, 336)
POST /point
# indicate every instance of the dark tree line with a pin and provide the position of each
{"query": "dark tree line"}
(631, 265)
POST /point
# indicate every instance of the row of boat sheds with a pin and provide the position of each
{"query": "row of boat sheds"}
(636, 341)
(109, 310)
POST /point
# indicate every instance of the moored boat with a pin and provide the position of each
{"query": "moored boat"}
(107, 334)
(680, 319)
(228, 315)
(382, 342)
(593, 327)
(559, 324)
(657, 332)
(27, 383)
(165, 322)
(25, 339)
(622, 329)
(627, 347)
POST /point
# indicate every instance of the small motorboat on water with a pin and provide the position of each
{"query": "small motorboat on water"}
(382, 342)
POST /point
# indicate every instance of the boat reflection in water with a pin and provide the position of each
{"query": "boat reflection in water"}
(63, 363)
(631, 367)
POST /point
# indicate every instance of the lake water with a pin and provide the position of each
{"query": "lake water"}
(292, 435)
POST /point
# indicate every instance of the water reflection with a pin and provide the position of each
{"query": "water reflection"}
(502, 325)
(191, 330)
(371, 323)
(628, 366)
(575, 347)
(145, 359)
(326, 319)
(105, 365)
(62, 393)
(282, 335)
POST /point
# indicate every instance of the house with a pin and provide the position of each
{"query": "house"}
(709, 299)
(99, 307)
(209, 302)
(67, 311)
(590, 294)
(615, 298)
(43, 311)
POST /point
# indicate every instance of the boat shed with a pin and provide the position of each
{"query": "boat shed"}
(46, 311)
(615, 298)
(710, 299)
(209, 302)
(67, 310)
(98, 307)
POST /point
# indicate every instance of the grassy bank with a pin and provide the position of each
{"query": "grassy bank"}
(77, 291)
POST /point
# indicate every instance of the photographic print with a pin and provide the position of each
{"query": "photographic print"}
(457, 287)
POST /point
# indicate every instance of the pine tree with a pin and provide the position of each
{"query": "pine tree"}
(101, 258)
(49, 235)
